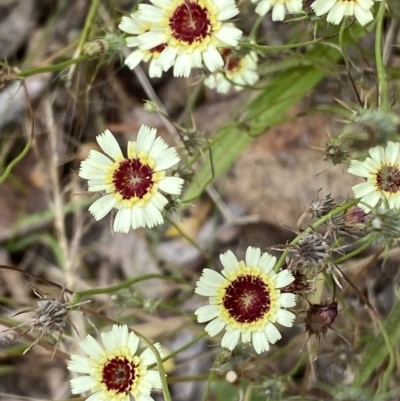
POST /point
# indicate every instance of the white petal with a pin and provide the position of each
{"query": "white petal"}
(272, 333)
(229, 35)
(267, 262)
(172, 185)
(369, 201)
(134, 59)
(145, 138)
(205, 290)
(287, 300)
(122, 221)
(214, 327)
(206, 313)
(81, 384)
(91, 346)
(212, 278)
(253, 256)
(278, 12)
(359, 169)
(321, 7)
(229, 260)
(230, 339)
(260, 342)
(363, 189)
(166, 159)
(148, 357)
(109, 145)
(284, 278)
(183, 66)
(285, 318)
(79, 364)
(263, 7)
(152, 216)
(246, 336)
(137, 218)
(212, 59)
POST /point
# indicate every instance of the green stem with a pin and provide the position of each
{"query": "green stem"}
(187, 345)
(52, 68)
(88, 25)
(322, 220)
(368, 241)
(78, 295)
(383, 385)
(380, 68)
(16, 161)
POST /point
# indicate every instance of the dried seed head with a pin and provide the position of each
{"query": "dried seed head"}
(193, 139)
(273, 389)
(321, 207)
(319, 318)
(51, 315)
(335, 152)
(311, 249)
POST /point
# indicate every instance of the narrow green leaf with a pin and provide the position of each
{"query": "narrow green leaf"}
(377, 350)
(268, 109)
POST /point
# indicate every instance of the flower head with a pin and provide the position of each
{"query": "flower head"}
(114, 371)
(246, 300)
(191, 32)
(237, 71)
(136, 26)
(338, 9)
(279, 7)
(319, 318)
(382, 173)
(133, 183)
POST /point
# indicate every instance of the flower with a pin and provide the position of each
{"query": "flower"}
(237, 71)
(338, 9)
(278, 7)
(246, 300)
(191, 31)
(114, 371)
(135, 26)
(132, 184)
(382, 173)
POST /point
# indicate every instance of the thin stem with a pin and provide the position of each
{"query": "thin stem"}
(52, 68)
(85, 33)
(78, 295)
(380, 67)
(368, 242)
(187, 345)
(392, 358)
(12, 164)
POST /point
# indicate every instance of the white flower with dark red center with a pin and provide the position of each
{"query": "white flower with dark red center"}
(134, 26)
(279, 7)
(114, 371)
(192, 31)
(382, 174)
(237, 71)
(133, 183)
(338, 9)
(246, 300)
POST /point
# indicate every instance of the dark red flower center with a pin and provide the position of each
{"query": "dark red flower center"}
(133, 179)
(247, 299)
(119, 375)
(388, 179)
(190, 22)
(231, 62)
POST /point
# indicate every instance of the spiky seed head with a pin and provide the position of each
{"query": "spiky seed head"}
(319, 318)
(322, 206)
(311, 249)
